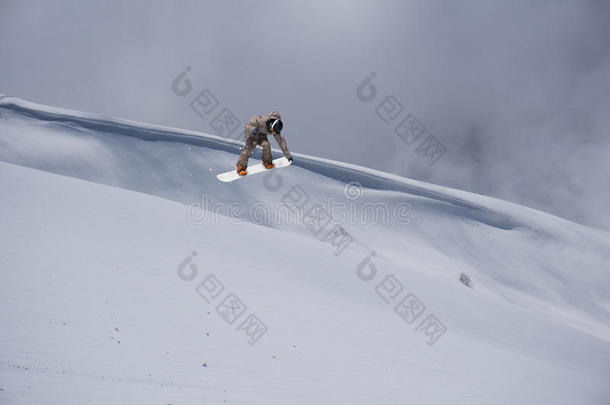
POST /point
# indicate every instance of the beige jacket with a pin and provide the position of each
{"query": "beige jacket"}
(260, 123)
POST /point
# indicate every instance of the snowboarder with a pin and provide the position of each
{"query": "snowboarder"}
(256, 132)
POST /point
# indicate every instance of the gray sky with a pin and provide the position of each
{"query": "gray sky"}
(518, 91)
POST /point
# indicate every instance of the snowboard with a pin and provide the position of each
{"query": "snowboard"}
(258, 168)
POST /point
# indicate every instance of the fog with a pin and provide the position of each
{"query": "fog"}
(518, 93)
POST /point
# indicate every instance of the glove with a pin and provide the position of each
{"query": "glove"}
(254, 131)
(290, 159)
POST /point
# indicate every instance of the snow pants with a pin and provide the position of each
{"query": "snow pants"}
(252, 141)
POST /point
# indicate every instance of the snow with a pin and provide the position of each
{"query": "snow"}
(100, 216)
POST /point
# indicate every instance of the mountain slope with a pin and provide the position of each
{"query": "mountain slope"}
(86, 266)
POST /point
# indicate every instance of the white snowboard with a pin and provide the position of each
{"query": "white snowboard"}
(232, 175)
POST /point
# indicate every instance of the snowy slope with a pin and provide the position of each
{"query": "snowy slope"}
(95, 309)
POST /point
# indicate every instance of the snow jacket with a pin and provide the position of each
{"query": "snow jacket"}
(260, 124)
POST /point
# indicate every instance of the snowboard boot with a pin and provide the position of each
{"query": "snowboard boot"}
(269, 165)
(241, 171)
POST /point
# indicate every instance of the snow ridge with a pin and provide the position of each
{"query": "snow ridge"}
(454, 201)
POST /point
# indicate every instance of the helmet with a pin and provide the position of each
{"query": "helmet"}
(274, 125)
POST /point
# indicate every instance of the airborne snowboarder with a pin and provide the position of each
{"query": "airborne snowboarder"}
(256, 131)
